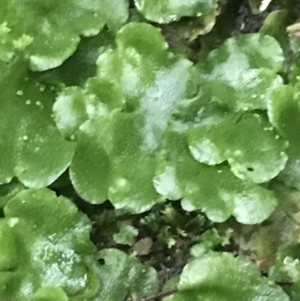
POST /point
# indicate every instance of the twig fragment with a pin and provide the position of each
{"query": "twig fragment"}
(159, 295)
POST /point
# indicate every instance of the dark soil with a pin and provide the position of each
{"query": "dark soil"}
(247, 22)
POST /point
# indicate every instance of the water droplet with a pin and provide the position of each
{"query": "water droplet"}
(13, 221)
(122, 182)
(37, 149)
(220, 171)
(38, 103)
(25, 137)
(277, 137)
(253, 95)
(238, 153)
(72, 137)
(28, 101)
(20, 93)
(42, 88)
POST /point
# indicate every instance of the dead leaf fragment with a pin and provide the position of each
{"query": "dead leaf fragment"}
(143, 246)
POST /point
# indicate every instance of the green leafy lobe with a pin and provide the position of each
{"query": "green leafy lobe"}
(242, 73)
(284, 114)
(212, 189)
(259, 158)
(242, 282)
(124, 277)
(55, 37)
(41, 254)
(166, 11)
(32, 148)
(216, 191)
(127, 108)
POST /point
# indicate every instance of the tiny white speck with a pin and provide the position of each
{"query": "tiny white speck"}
(264, 5)
(38, 103)
(25, 137)
(28, 101)
(20, 93)
(277, 137)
